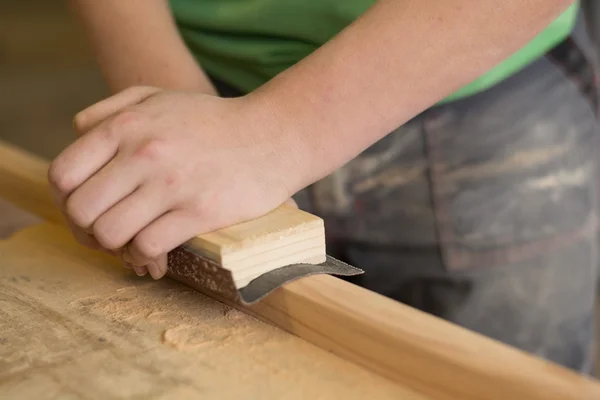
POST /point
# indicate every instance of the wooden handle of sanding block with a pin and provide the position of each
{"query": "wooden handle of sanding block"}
(434, 357)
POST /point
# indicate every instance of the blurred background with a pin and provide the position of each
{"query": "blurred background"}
(47, 75)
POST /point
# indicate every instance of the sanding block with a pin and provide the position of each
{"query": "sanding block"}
(245, 262)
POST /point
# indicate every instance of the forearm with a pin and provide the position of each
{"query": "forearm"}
(136, 43)
(399, 58)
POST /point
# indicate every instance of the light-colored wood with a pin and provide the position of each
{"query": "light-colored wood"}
(284, 236)
(12, 219)
(74, 324)
(416, 350)
(24, 182)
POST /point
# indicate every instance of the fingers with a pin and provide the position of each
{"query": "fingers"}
(106, 188)
(95, 148)
(95, 190)
(140, 270)
(120, 224)
(93, 115)
(161, 236)
(149, 247)
(82, 237)
(99, 169)
(158, 267)
(92, 151)
(78, 162)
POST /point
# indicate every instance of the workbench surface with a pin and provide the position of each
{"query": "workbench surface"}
(74, 324)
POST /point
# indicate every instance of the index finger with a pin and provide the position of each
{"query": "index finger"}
(98, 112)
(79, 161)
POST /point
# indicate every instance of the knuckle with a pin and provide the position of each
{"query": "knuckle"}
(152, 149)
(79, 121)
(173, 179)
(196, 208)
(108, 133)
(58, 178)
(204, 204)
(127, 118)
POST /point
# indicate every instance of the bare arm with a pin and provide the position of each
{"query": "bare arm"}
(399, 58)
(137, 43)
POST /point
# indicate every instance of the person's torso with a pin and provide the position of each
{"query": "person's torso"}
(246, 42)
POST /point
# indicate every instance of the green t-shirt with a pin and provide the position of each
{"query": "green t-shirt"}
(247, 42)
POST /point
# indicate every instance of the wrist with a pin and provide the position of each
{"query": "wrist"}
(316, 128)
(290, 149)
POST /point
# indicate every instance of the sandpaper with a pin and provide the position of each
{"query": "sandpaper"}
(201, 273)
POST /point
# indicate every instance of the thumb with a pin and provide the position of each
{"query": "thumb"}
(96, 113)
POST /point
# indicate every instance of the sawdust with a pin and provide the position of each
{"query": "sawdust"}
(233, 314)
(75, 324)
(184, 337)
(174, 307)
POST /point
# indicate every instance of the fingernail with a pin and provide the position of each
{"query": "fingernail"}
(140, 270)
(154, 270)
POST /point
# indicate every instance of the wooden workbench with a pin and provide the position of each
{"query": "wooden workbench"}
(75, 324)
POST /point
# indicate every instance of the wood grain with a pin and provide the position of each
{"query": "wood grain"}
(414, 349)
(74, 324)
(286, 235)
(23, 179)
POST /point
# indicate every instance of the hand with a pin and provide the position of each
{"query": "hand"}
(152, 169)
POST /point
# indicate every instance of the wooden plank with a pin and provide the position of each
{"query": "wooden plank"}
(23, 179)
(415, 349)
(74, 324)
(13, 219)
